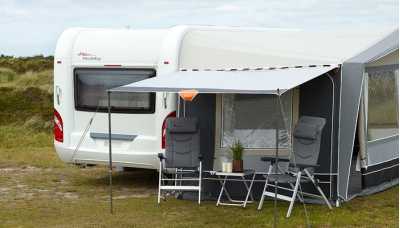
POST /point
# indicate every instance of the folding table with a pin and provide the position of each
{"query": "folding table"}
(223, 177)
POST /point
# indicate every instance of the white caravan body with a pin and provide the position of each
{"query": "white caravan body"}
(92, 51)
(89, 61)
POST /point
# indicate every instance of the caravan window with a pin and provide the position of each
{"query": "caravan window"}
(91, 86)
(382, 101)
(252, 120)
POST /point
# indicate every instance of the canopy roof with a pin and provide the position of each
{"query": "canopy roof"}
(209, 47)
(244, 82)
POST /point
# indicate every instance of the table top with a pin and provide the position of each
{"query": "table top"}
(232, 174)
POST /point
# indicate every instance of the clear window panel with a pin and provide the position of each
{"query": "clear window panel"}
(253, 120)
(382, 102)
(91, 89)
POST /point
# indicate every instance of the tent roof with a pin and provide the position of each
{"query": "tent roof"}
(245, 82)
(224, 48)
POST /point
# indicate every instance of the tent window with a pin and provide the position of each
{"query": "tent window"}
(382, 101)
(251, 119)
(91, 86)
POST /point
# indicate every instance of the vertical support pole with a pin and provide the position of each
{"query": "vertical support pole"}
(184, 108)
(178, 109)
(110, 170)
(200, 176)
(159, 182)
(278, 103)
(332, 127)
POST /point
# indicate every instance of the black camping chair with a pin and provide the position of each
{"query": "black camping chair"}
(182, 157)
(306, 148)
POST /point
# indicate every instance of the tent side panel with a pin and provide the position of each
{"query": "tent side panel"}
(383, 168)
(380, 176)
(352, 76)
(335, 158)
(203, 107)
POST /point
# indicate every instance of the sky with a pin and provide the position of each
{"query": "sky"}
(31, 27)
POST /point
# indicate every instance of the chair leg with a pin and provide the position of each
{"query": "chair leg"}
(159, 183)
(318, 188)
(249, 189)
(296, 187)
(222, 189)
(265, 188)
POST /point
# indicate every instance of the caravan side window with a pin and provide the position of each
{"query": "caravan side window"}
(382, 101)
(252, 119)
(91, 86)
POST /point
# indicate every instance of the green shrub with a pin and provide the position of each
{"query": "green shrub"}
(24, 64)
(7, 75)
(42, 80)
(21, 104)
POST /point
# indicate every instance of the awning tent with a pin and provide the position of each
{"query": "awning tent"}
(268, 81)
(242, 82)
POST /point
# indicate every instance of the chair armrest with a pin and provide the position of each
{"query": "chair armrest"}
(161, 156)
(273, 159)
(303, 166)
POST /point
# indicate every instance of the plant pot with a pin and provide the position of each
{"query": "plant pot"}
(237, 166)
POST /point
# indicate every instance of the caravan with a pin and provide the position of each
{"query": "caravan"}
(89, 61)
(343, 77)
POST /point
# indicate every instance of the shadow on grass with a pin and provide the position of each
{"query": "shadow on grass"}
(136, 178)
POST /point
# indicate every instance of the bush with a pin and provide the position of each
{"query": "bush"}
(20, 105)
(37, 123)
(42, 80)
(25, 64)
(7, 75)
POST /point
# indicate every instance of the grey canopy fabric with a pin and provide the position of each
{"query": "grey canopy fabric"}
(244, 82)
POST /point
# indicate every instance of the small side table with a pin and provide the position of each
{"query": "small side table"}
(223, 177)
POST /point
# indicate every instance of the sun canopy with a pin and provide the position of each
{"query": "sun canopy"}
(244, 82)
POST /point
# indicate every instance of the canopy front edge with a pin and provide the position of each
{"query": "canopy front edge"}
(242, 82)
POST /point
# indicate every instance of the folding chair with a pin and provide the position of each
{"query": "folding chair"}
(182, 158)
(306, 148)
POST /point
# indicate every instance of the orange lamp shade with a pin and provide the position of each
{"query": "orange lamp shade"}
(188, 95)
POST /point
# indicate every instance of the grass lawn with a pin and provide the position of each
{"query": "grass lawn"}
(37, 190)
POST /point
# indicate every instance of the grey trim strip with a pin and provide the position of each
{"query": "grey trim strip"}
(122, 137)
(391, 159)
(383, 140)
(364, 174)
(102, 161)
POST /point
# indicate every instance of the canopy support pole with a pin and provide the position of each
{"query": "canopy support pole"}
(110, 168)
(278, 105)
(178, 109)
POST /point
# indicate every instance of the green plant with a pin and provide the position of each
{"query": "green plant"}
(237, 150)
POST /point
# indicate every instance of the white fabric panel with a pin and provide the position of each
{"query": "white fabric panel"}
(245, 82)
(381, 150)
(207, 48)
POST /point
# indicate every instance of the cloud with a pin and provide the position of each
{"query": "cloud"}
(32, 27)
(228, 8)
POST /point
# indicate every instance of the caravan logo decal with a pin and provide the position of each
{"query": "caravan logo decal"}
(88, 56)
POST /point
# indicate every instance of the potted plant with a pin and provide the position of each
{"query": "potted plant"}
(237, 154)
